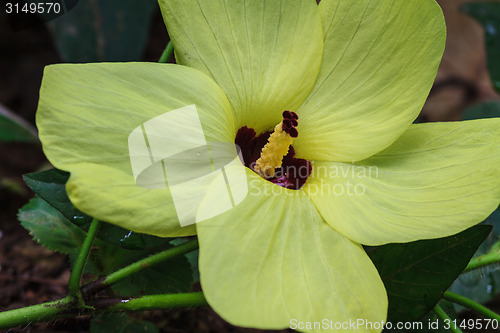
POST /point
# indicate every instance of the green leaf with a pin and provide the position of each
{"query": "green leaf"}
(128, 239)
(14, 128)
(111, 30)
(51, 186)
(482, 285)
(49, 227)
(416, 274)
(488, 14)
(193, 258)
(120, 323)
(428, 323)
(173, 276)
(485, 110)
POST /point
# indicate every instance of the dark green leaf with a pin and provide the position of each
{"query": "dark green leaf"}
(428, 323)
(416, 274)
(172, 276)
(484, 110)
(192, 258)
(51, 186)
(120, 323)
(13, 128)
(128, 239)
(488, 14)
(483, 284)
(111, 30)
(49, 227)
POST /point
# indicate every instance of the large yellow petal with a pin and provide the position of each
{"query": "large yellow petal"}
(264, 54)
(85, 116)
(380, 59)
(272, 262)
(436, 180)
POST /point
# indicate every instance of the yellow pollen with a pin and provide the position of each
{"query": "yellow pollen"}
(273, 152)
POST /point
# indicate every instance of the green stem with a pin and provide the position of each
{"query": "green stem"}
(36, 313)
(96, 286)
(76, 274)
(470, 304)
(443, 316)
(484, 260)
(167, 53)
(67, 307)
(157, 302)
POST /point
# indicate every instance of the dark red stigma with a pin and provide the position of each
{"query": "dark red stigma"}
(290, 122)
(293, 172)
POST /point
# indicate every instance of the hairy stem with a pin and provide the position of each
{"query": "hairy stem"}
(470, 304)
(67, 307)
(36, 313)
(484, 260)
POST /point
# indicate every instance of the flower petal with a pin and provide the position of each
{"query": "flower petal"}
(380, 59)
(436, 180)
(264, 54)
(85, 116)
(273, 259)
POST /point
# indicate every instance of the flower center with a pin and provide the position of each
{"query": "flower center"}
(271, 154)
(277, 145)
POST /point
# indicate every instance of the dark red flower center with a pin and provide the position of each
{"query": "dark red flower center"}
(293, 172)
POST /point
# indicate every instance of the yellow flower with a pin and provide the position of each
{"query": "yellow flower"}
(357, 73)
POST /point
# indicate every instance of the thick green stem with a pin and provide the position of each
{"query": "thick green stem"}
(76, 273)
(67, 307)
(142, 264)
(484, 260)
(36, 313)
(156, 302)
(167, 53)
(470, 304)
(443, 316)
